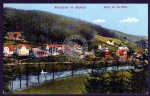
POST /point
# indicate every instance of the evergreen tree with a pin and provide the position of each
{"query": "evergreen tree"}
(139, 81)
(97, 83)
(7, 76)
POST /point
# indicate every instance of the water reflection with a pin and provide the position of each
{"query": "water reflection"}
(37, 78)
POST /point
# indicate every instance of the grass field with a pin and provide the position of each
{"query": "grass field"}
(70, 85)
(103, 40)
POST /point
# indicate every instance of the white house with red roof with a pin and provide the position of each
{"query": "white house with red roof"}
(22, 49)
(53, 49)
(110, 42)
(122, 54)
(8, 50)
(137, 55)
(123, 48)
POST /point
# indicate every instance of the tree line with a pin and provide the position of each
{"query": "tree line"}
(117, 82)
(44, 27)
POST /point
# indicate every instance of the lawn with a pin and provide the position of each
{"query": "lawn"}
(69, 85)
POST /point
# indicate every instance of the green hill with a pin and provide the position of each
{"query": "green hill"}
(45, 27)
(117, 42)
(132, 38)
(39, 26)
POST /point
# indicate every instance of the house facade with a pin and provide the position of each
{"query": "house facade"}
(123, 48)
(8, 50)
(110, 42)
(14, 35)
(137, 55)
(38, 53)
(107, 53)
(22, 50)
(122, 55)
(53, 49)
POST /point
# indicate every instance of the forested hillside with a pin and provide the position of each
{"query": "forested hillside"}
(46, 27)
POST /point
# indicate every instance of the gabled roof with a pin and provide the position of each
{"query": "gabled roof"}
(139, 52)
(122, 51)
(11, 47)
(110, 40)
(18, 33)
(57, 45)
(36, 49)
(20, 46)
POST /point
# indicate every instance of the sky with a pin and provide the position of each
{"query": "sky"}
(128, 18)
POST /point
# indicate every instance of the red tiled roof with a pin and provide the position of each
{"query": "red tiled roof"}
(36, 49)
(57, 45)
(139, 52)
(18, 33)
(121, 51)
(110, 40)
(107, 53)
(11, 47)
(20, 45)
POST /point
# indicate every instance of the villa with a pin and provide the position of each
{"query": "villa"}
(14, 35)
(8, 50)
(110, 42)
(22, 50)
(122, 55)
(53, 49)
(38, 53)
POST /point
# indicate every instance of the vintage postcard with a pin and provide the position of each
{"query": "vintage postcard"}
(52, 48)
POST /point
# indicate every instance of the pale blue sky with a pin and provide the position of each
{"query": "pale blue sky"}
(132, 20)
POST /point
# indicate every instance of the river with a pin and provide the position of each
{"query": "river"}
(30, 80)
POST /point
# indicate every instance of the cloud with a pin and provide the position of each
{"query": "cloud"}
(99, 21)
(130, 20)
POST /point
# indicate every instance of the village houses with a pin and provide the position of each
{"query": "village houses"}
(122, 54)
(14, 36)
(53, 49)
(137, 55)
(110, 42)
(38, 53)
(22, 50)
(107, 53)
(8, 50)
